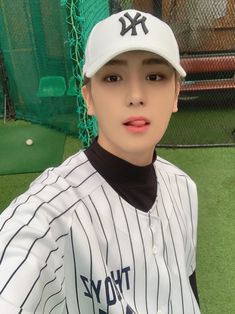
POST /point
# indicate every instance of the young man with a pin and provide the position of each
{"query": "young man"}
(113, 229)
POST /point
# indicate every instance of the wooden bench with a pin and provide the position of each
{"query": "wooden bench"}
(208, 65)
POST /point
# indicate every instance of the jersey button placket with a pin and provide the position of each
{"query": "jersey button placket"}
(155, 227)
(155, 250)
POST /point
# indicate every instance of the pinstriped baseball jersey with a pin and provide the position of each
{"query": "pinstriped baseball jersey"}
(71, 244)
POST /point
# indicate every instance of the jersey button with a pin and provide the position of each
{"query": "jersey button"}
(155, 253)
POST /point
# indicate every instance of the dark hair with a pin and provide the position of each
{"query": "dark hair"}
(86, 80)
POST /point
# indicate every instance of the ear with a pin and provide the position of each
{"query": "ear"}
(86, 93)
(176, 96)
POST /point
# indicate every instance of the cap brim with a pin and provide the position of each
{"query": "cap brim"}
(97, 65)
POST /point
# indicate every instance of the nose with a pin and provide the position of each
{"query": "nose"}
(136, 95)
(134, 103)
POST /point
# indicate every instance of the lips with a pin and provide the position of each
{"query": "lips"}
(136, 124)
(137, 121)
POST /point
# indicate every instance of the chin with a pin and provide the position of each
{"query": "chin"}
(140, 147)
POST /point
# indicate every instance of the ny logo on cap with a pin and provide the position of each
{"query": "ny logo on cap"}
(138, 19)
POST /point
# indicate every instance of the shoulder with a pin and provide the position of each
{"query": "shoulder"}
(75, 173)
(53, 197)
(176, 185)
(167, 166)
(66, 170)
(171, 173)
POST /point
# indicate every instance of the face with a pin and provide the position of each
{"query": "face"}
(132, 97)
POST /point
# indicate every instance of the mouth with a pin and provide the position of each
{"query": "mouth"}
(136, 124)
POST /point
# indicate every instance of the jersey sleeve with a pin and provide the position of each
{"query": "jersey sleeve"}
(33, 231)
(185, 191)
(192, 222)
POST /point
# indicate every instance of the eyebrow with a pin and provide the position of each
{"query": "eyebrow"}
(116, 62)
(149, 61)
(153, 61)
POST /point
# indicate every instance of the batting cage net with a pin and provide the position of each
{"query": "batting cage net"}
(37, 63)
(43, 44)
(1, 102)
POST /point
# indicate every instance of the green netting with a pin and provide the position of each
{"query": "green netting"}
(34, 43)
(1, 102)
(81, 17)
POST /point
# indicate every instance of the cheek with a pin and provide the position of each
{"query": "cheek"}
(105, 102)
(165, 103)
(163, 109)
(104, 110)
(171, 100)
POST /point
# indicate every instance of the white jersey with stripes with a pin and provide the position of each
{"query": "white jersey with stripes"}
(71, 244)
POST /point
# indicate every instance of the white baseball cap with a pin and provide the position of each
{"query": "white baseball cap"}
(127, 31)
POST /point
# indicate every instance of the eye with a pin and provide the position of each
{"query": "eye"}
(154, 77)
(112, 78)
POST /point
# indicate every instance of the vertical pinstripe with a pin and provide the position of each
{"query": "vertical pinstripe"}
(90, 252)
(165, 257)
(158, 274)
(110, 241)
(132, 251)
(180, 280)
(75, 269)
(101, 224)
(115, 230)
(145, 263)
(181, 202)
(114, 226)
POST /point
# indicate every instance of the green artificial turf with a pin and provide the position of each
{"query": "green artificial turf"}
(15, 184)
(194, 126)
(213, 171)
(18, 157)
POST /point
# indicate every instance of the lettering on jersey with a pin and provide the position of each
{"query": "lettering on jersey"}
(117, 281)
(119, 276)
(138, 19)
(94, 287)
(128, 311)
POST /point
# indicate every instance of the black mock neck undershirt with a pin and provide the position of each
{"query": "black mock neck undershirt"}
(137, 185)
